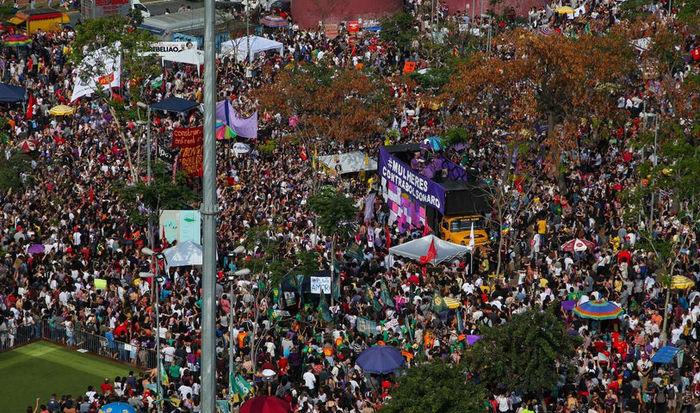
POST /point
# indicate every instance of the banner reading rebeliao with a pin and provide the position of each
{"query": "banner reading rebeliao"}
(190, 141)
(419, 187)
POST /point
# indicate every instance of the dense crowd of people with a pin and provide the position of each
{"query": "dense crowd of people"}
(68, 204)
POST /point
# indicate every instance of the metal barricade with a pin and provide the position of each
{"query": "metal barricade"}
(104, 346)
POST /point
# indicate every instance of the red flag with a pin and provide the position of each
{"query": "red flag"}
(302, 154)
(430, 255)
(387, 234)
(30, 108)
(426, 229)
(165, 80)
(91, 195)
(163, 239)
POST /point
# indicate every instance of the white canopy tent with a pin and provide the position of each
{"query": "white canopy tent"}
(350, 162)
(190, 57)
(183, 255)
(419, 247)
(258, 44)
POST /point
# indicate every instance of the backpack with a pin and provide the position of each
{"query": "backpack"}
(670, 393)
(661, 396)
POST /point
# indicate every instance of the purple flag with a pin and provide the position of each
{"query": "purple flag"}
(244, 127)
(369, 206)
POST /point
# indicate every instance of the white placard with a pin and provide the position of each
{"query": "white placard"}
(319, 284)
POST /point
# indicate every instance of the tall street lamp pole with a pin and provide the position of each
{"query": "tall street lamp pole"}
(209, 212)
(156, 283)
(232, 281)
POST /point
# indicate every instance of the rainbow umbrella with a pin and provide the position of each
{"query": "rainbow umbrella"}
(598, 310)
(223, 131)
(16, 40)
(274, 21)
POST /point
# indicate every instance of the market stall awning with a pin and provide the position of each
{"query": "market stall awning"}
(16, 20)
(173, 104)
(665, 355)
(350, 162)
(418, 248)
(12, 94)
(183, 255)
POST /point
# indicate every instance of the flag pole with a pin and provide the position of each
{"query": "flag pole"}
(209, 212)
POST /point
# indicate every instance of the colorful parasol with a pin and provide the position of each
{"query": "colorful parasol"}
(223, 131)
(274, 21)
(565, 10)
(598, 310)
(577, 245)
(680, 282)
(451, 303)
(16, 40)
(61, 110)
(27, 145)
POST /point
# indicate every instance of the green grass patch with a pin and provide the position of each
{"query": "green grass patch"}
(41, 368)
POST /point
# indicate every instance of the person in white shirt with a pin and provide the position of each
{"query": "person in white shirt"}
(309, 380)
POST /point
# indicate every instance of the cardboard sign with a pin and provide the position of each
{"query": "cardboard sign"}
(366, 326)
(353, 26)
(190, 140)
(100, 283)
(319, 284)
(409, 67)
(331, 30)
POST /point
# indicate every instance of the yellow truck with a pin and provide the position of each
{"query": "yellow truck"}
(458, 229)
(451, 200)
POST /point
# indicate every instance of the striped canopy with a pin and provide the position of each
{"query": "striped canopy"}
(598, 310)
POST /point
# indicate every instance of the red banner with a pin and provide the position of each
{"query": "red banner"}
(191, 156)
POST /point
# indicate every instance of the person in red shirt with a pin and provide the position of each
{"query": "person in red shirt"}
(106, 387)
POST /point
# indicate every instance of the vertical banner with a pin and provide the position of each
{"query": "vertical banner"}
(189, 141)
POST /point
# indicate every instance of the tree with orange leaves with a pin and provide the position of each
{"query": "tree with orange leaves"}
(334, 104)
(532, 79)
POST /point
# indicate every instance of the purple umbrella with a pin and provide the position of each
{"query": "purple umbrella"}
(36, 249)
(568, 305)
(380, 359)
(471, 339)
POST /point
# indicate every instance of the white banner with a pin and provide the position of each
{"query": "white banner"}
(162, 48)
(100, 69)
(319, 284)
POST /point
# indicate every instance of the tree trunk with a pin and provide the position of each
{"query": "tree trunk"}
(132, 170)
(664, 335)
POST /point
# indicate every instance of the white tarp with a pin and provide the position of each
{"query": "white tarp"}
(188, 56)
(419, 247)
(642, 44)
(258, 44)
(183, 254)
(345, 163)
(100, 69)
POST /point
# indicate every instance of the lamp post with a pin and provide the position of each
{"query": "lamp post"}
(156, 282)
(231, 280)
(210, 211)
(148, 139)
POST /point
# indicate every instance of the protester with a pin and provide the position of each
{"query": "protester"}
(70, 207)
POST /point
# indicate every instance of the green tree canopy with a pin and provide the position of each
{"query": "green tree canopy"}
(523, 354)
(436, 388)
(399, 29)
(332, 208)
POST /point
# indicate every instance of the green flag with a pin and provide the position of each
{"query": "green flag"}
(323, 309)
(460, 322)
(439, 303)
(372, 299)
(384, 294)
